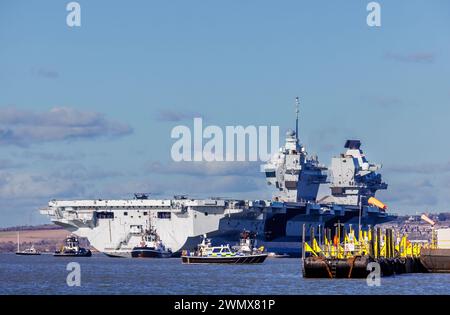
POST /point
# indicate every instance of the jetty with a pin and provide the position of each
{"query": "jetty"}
(347, 255)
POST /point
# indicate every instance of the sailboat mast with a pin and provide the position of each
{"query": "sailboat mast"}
(297, 105)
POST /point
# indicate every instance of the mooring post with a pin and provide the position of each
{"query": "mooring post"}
(303, 241)
(388, 243)
(391, 237)
(371, 244)
(320, 236)
(386, 240)
(328, 233)
(393, 241)
(378, 242)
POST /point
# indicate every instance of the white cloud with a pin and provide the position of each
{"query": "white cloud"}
(416, 57)
(206, 168)
(23, 127)
(172, 115)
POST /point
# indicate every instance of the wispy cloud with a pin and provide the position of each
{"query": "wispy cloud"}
(420, 168)
(382, 101)
(195, 187)
(327, 140)
(79, 172)
(45, 73)
(205, 168)
(50, 156)
(23, 127)
(417, 57)
(175, 115)
(33, 185)
(8, 164)
(411, 195)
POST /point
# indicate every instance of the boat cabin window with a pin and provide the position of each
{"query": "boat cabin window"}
(125, 213)
(216, 250)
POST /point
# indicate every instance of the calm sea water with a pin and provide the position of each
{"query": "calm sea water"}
(46, 274)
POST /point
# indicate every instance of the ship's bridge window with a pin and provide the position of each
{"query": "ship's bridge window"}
(164, 215)
(270, 174)
(104, 215)
(125, 213)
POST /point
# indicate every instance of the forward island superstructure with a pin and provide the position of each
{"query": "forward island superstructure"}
(115, 227)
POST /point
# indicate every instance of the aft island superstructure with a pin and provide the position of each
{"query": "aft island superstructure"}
(115, 227)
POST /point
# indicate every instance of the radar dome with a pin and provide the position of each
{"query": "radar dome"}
(290, 133)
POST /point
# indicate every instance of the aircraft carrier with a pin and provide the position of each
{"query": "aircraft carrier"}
(114, 227)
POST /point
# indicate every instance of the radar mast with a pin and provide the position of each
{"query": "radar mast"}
(297, 106)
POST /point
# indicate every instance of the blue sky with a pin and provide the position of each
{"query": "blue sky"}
(87, 112)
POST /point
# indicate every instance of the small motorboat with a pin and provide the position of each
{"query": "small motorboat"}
(71, 248)
(275, 255)
(244, 253)
(28, 252)
(151, 247)
(31, 251)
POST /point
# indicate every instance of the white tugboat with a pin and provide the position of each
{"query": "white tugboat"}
(151, 246)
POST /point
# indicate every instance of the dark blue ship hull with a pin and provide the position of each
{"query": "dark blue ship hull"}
(279, 227)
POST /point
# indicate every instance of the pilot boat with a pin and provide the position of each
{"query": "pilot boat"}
(71, 248)
(151, 247)
(244, 253)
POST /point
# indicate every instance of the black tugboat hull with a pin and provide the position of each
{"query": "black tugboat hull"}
(249, 259)
(143, 252)
(86, 253)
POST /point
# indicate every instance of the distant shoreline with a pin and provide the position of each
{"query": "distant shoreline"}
(40, 227)
(45, 238)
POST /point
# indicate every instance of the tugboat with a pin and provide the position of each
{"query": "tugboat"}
(244, 253)
(71, 248)
(151, 247)
(28, 251)
(247, 242)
